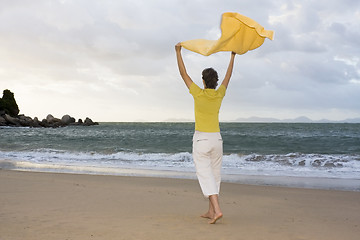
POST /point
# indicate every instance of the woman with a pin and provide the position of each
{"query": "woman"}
(207, 141)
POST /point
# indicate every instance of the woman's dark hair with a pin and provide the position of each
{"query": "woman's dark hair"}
(210, 76)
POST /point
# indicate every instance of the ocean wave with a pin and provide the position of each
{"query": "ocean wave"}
(291, 164)
(94, 158)
(299, 159)
(294, 164)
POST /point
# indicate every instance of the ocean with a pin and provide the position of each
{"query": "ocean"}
(314, 155)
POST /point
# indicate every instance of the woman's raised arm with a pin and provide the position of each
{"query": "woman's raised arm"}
(229, 71)
(188, 81)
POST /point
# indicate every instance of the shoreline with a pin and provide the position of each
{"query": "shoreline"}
(75, 206)
(324, 183)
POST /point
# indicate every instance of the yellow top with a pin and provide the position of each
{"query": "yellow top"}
(239, 34)
(207, 104)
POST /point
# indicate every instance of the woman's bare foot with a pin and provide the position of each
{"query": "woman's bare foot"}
(216, 217)
(208, 215)
(214, 200)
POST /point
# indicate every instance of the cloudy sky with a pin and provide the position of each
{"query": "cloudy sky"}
(115, 60)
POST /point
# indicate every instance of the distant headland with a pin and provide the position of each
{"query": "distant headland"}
(301, 119)
(9, 116)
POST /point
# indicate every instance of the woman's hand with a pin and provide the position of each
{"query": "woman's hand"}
(178, 46)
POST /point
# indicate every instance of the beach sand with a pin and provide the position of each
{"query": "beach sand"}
(68, 206)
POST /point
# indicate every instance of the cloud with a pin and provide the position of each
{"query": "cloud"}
(115, 59)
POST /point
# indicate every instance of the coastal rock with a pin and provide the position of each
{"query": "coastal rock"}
(53, 122)
(25, 121)
(12, 120)
(8, 103)
(44, 123)
(66, 119)
(50, 119)
(89, 122)
(36, 122)
(2, 121)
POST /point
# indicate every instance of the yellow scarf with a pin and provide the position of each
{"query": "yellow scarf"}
(239, 34)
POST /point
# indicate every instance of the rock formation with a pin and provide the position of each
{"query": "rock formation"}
(9, 116)
(8, 103)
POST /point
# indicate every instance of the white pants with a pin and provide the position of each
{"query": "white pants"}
(207, 155)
